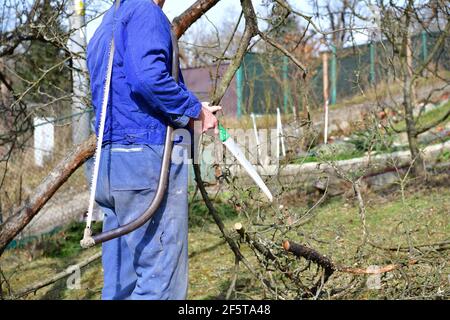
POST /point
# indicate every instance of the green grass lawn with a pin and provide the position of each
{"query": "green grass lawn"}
(388, 89)
(421, 217)
(426, 118)
(338, 157)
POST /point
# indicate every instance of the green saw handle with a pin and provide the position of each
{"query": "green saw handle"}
(223, 134)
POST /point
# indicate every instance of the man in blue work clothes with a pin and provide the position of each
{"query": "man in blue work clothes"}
(150, 262)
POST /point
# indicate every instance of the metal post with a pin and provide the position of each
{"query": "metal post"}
(424, 46)
(285, 84)
(372, 62)
(239, 89)
(333, 75)
(77, 45)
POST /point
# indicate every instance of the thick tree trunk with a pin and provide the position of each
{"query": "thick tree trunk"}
(56, 178)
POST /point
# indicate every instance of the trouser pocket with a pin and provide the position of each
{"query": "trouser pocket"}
(134, 167)
(134, 176)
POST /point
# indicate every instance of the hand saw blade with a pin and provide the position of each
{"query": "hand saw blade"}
(239, 155)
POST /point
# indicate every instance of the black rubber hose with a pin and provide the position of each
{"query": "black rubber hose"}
(163, 177)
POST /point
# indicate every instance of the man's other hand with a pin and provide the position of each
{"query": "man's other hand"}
(207, 118)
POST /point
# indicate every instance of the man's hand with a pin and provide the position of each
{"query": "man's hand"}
(207, 118)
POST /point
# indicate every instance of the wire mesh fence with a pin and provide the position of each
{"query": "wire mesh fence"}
(26, 163)
(272, 81)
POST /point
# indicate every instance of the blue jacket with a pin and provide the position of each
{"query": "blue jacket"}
(144, 97)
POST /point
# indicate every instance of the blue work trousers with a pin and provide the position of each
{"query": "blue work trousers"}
(150, 263)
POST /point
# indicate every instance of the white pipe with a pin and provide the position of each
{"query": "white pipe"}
(255, 129)
(278, 137)
(280, 132)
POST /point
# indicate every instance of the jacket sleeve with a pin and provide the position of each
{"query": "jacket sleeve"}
(146, 63)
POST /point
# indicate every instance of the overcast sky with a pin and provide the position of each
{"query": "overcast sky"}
(223, 9)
